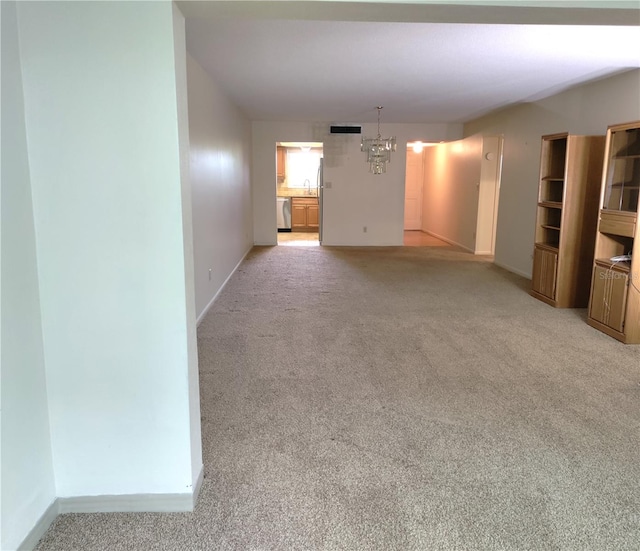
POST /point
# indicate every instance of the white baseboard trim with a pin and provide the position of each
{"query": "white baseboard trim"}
(36, 533)
(512, 270)
(127, 503)
(450, 241)
(208, 306)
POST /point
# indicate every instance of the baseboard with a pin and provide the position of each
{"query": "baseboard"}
(450, 241)
(512, 269)
(36, 533)
(128, 503)
(208, 306)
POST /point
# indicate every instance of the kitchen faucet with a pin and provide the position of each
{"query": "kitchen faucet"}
(307, 186)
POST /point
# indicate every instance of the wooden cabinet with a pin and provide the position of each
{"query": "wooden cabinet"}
(298, 216)
(545, 259)
(609, 296)
(313, 216)
(614, 306)
(281, 164)
(304, 214)
(570, 176)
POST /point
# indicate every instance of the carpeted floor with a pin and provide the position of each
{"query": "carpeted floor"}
(398, 399)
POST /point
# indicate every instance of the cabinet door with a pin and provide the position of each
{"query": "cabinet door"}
(281, 163)
(609, 297)
(545, 264)
(622, 184)
(312, 216)
(298, 217)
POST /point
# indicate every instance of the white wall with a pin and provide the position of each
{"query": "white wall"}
(450, 192)
(488, 193)
(28, 486)
(102, 131)
(586, 109)
(359, 199)
(180, 54)
(356, 198)
(220, 138)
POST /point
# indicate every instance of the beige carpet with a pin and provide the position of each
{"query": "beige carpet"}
(399, 399)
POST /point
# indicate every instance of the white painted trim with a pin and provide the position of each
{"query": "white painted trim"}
(197, 487)
(451, 242)
(127, 503)
(40, 527)
(206, 308)
(512, 270)
(483, 253)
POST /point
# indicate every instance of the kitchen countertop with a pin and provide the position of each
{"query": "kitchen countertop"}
(296, 193)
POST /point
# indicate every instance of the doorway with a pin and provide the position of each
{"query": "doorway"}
(464, 214)
(299, 193)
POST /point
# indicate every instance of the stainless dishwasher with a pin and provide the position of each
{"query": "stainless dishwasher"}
(283, 211)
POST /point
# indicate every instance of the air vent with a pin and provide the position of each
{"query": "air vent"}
(346, 129)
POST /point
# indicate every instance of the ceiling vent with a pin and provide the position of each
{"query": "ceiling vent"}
(346, 129)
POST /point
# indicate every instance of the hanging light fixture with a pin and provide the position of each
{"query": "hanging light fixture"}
(378, 150)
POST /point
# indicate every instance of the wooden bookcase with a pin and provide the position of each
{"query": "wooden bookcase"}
(614, 307)
(570, 177)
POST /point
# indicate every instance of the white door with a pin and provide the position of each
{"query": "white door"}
(413, 191)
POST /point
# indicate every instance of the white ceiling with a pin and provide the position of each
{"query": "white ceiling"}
(334, 62)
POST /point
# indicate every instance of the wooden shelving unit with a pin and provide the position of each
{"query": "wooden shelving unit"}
(614, 307)
(570, 176)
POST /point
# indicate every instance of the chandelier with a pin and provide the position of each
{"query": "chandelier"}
(378, 150)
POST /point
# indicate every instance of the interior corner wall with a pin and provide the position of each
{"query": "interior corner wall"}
(356, 198)
(101, 124)
(588, 109)
(28, 484)
(450, 191)
(220, 165)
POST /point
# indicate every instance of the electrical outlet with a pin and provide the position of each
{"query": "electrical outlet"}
(327, 185)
